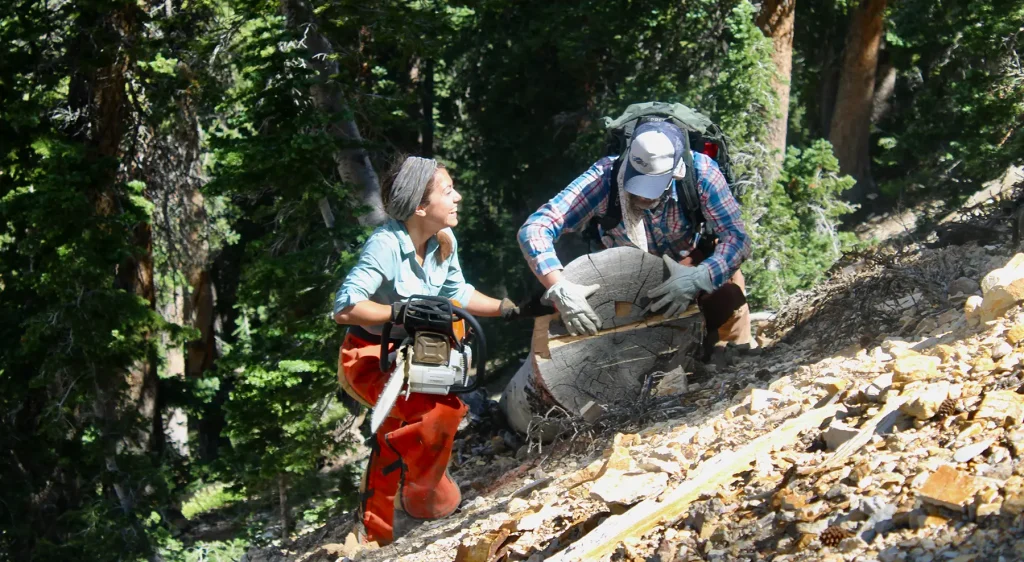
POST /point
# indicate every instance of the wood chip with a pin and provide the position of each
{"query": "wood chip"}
(837, 434)
(914, 367)
(925, 399)
(481, 547)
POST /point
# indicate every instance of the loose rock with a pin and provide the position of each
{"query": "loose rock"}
(948, 487)
(926, 399)
(965, 454)
(1002, 406)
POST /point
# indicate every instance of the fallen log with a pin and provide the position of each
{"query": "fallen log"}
(564, 373)
(706, 478)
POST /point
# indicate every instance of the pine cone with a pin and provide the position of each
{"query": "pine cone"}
(833, 536)
(947, 408)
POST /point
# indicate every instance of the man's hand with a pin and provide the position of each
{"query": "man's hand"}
(681, 287)
(571, 301)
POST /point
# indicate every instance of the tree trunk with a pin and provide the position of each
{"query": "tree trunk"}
(136, 276)
(225, 277)
(827, 91)
(100, 94)
(353, 164)
(566, 372)
(110, 108)
(426, 88)
(884, 90)
(776, 21)
(282, 502)
(851, 119)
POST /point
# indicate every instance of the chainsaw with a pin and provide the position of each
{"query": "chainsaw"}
(434, 358)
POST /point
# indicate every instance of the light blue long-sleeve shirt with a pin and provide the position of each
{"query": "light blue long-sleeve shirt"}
(387, 271)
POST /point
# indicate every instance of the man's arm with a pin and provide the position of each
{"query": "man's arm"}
(720, 207)
(568, 211)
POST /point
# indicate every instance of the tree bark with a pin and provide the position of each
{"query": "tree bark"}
(99, 93)
(776, 21)
(827, 90)
(851, 119)
(352, 164)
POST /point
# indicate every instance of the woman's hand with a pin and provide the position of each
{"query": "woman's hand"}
(508, 310)
(481, 305)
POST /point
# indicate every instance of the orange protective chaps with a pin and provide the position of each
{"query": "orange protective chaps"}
(410, 451)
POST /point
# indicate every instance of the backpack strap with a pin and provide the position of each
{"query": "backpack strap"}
(613, 214)
(690, 196)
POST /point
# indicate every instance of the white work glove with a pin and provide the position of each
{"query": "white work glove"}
(571, 301)
(681, 287)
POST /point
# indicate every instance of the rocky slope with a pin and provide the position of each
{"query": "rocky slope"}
(881, 421)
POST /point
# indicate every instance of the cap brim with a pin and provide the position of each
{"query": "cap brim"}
(646, 186)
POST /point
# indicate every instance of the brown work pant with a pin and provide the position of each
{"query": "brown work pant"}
(725, 310)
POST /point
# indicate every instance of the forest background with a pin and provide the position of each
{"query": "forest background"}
(184, 184)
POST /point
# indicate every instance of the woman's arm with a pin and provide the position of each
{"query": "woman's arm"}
(375, 266)
(471, 300)
(364, 313)
(482, 305)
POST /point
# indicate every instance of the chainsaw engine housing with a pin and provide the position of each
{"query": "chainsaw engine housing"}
(431, 348)
(431, 377)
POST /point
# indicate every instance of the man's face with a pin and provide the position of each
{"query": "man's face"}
(649, 204)
(645, 203)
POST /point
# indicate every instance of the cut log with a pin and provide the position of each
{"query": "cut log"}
(566, 372)
(710, 475)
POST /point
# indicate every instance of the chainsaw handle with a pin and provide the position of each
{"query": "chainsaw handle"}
(479, 342)
(480, 346)
(385, 333)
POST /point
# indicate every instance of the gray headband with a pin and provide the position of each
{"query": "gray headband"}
(411, 182)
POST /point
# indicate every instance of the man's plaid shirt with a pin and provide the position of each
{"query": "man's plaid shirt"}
(668, 231)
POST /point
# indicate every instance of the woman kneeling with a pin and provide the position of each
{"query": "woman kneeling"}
(413, 253)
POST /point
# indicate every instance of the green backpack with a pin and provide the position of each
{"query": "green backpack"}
(702, 135)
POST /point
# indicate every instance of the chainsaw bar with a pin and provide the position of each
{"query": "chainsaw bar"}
(392, 390)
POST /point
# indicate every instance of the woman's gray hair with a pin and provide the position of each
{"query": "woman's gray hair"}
(409, 186)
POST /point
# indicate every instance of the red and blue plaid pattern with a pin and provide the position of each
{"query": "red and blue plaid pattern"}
(668, 231)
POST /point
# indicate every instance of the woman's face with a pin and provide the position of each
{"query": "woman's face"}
(442, 208)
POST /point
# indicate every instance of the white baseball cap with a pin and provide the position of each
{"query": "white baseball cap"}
(653, 157)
